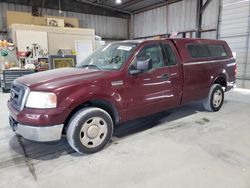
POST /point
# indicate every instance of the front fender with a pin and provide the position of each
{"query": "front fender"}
(73, 98)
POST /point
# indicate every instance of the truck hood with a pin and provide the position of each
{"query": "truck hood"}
(58, 78)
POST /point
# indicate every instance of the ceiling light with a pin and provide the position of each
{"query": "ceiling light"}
(59, 7)
(118, 1)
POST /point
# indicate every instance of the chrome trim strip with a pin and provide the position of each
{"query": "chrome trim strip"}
(205, 62)
(117, 83)
(230, 85)
(25, 96)
(40, 134)
(231, 64)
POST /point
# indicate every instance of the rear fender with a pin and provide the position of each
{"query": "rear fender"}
(221, 79)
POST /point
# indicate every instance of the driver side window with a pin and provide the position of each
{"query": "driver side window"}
(152, 52)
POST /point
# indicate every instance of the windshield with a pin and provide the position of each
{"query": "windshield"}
(109, 57)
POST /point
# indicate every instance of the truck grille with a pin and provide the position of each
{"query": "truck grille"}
(18, 95)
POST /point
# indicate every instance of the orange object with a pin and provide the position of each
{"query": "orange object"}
(5, 43)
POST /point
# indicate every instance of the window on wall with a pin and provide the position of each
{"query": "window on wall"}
(206, 50)
(170, 56)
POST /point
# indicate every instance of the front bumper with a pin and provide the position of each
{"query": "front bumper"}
(35, 133)
(38, 117)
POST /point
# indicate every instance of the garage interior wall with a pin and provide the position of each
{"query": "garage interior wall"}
(229, 20)
(210, 19)
(111, 28)
(176, 17)
(233, 22)
(235, 29)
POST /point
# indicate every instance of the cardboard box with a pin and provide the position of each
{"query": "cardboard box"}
(14, 17)
(18, 17)
(39, 21)
(55, 22)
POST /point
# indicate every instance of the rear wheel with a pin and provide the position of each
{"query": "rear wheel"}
(215, 98)
(4, 90)
(89, 130)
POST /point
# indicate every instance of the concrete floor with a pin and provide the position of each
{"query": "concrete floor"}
(186, 147)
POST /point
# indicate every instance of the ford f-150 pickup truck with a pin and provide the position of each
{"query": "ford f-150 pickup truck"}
(119, 82)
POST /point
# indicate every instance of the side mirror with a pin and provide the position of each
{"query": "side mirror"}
(134, 72)
(141, 65)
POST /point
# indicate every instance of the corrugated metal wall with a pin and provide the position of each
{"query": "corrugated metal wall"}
(152, 22)
(210, 19)
(106, 27)
(234, 28)
(180, 16)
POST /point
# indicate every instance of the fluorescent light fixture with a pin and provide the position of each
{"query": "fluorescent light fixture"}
(59, 7)
(118, 1)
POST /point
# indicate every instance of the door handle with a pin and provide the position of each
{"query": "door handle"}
(165, 77)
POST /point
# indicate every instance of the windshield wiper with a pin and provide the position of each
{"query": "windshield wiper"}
(91, 66)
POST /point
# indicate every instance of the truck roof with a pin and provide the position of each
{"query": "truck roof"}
(176, 40)
(181, 43)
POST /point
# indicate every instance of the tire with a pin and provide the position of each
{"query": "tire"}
(89, 130)
(4, 90)
(215, 98)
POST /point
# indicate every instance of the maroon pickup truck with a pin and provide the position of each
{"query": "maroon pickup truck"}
(119, 82)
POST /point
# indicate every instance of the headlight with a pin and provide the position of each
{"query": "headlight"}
(41, 100)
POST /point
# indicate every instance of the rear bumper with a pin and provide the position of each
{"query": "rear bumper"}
(35, 133)
(230, 85)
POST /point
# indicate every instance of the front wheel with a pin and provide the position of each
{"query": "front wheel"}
(215, 98)
(89, 130)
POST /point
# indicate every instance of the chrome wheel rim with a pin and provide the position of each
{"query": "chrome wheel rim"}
(93, 132)
(217, 99)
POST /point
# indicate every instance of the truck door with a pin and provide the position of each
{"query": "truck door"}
(174, 70)
(157, 88)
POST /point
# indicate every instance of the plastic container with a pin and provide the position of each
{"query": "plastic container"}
(8, 60)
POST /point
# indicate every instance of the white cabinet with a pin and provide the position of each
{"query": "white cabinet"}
(52, 38)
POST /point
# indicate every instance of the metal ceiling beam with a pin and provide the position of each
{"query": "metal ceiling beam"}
(156, 5)
(201, 7)
(199, 18)
(99, 1)
(73, 6)
(128, 3)
(103, 6)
